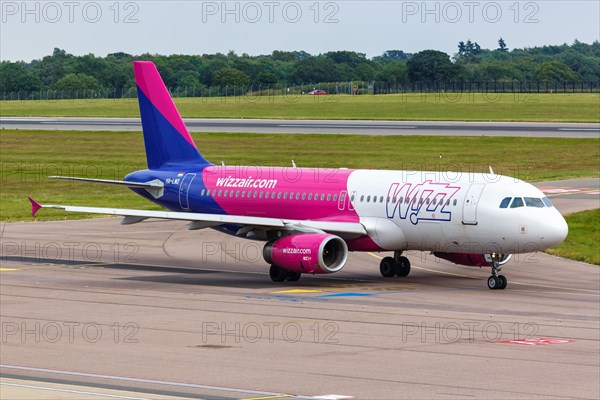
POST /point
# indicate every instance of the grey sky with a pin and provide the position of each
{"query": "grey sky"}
(259, 27)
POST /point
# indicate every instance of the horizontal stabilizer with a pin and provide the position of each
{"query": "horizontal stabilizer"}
(155, 187)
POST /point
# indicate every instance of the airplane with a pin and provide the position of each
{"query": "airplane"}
(312, 218)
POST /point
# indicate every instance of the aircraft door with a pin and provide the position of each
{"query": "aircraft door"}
(350, 199)
(184, 190)
(342, 200)
(471, 202)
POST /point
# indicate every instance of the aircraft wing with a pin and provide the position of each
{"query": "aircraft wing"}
(201, 220)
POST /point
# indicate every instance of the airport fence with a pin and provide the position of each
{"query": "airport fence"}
(329, 88)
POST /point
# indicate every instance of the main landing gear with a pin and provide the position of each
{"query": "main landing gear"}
(279, 274)
(394, 266)
(496, 281)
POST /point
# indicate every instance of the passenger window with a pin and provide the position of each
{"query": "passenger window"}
(303, 196)
(381, 199)
(368, 199)
(547, 202)
(517, 202)
(454, 202)
(351, 198)
(202, 192)
(254, 195)
(225, 193)
(272, 195)
(427, 201)
(278, 195)
(243, 194)
(362, 198)
(534, 202)
(214, 192)
(323, 196)
(260, 195)
(329, 197)
(335, 197)
(309, 196)
(298, 196)
(285, 195)
(395, 200)
(237, 193)
(505, 202)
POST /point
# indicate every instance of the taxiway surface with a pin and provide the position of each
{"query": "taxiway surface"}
(91, 308)
(381, 128)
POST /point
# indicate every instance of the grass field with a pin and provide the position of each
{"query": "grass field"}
(28, 157)
(426, 106)
(583, 241)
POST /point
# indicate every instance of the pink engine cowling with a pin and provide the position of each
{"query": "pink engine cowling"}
(474, 260)
(307, 253)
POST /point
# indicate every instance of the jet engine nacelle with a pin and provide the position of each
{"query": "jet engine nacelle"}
(474, 260)
(307, 253)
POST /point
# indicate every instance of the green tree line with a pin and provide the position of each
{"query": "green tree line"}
(578, 62)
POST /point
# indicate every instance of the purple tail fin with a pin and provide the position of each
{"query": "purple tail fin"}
(166, 137)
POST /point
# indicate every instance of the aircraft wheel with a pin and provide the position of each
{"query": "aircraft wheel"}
(503, 282)
(403, 266)
(277, 274)
(387, 267)
(493, 282)
(293, 276)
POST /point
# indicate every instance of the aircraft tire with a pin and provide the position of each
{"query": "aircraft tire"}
(293, 276)
(503, 282)
(277, 274)
(403, 266)
(387, 267)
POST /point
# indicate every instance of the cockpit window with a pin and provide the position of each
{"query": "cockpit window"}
(534, 202)
(505, 202)
(547, 202)
(517, 202)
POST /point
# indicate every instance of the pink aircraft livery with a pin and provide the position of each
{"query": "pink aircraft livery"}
(312, 218)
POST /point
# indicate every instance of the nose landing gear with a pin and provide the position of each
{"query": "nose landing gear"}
(496, 281)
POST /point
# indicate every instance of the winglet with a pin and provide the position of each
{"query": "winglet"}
(35, 206)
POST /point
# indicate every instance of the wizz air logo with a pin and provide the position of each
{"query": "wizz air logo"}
(427, 201)
(247, 183)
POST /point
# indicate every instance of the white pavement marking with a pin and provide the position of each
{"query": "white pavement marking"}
(151, 381)
(73, 391)
(579, 129)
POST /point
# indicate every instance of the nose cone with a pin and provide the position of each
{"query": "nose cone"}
(553, 230)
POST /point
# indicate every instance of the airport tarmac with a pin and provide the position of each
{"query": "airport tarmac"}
(93, 309)
(349, 127)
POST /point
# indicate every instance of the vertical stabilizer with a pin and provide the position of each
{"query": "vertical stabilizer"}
(166, 137)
